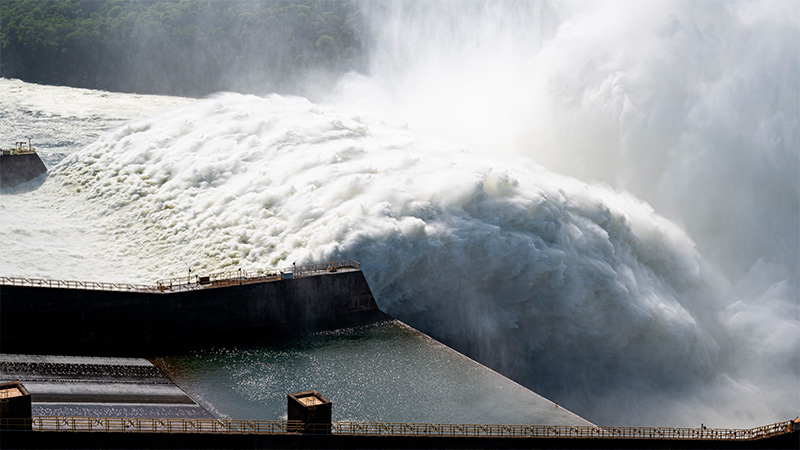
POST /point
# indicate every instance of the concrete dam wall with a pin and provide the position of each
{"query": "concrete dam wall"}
(18, 168)
(153, 320)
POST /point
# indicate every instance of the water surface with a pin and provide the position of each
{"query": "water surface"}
(382, 373)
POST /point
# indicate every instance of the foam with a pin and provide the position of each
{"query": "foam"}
(550, 280)
(680, 118)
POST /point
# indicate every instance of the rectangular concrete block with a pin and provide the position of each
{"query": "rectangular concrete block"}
(310, 407)
(15, 406)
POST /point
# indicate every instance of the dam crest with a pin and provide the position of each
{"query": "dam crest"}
(41, 316)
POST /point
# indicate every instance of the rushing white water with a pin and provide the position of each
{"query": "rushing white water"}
(427, 173)
(41, 234)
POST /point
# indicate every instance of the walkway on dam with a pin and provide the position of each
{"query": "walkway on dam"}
(81, 432)
(191, 282)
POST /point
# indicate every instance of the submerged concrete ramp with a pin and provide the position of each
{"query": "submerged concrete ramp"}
(97, 387)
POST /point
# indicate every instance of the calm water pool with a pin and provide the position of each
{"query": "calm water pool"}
(382, 373)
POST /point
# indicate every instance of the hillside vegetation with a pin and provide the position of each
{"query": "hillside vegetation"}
(183, 47)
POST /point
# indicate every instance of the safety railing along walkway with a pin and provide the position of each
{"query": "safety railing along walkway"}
(268, 427)
(20, 148)
(191, 282)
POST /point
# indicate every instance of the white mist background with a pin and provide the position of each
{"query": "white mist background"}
(691, 106)
(443, 172)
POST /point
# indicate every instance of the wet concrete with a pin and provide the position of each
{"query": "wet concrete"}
(98, 387)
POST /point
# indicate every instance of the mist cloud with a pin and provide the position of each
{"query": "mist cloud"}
(582, 293)
(600, 200)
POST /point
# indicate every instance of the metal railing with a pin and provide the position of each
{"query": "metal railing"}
(20, 148)
(191, 282)
(269, 427)
(318, 269)
(71, 284)
(553, 431)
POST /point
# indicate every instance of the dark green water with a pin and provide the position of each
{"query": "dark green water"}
(383, 373)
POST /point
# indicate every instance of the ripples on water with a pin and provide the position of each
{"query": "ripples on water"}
(382, 373)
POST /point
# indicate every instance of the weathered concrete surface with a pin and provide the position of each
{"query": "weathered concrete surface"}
(17, 169)
(92, 322)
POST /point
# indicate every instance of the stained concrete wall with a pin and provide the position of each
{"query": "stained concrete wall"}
(89, 322)
(16, 169)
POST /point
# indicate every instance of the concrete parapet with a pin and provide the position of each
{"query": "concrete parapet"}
(48, 320)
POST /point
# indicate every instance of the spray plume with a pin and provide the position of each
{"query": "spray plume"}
(427, 170)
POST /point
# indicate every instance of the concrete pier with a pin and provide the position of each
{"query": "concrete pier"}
(45, 317)
(18, 168)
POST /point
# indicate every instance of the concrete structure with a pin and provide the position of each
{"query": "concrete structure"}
(101, 318)
(309, 407)
(18, 168)
(125, 434)
(97, 387)
(81, 318)
(15, 406)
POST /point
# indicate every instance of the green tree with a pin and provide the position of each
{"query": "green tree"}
(186, 47)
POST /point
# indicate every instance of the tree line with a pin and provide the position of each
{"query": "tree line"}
(180, 47)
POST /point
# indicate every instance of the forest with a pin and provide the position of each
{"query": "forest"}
(180, 47)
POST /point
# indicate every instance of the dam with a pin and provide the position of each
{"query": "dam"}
(240, 341)
(114, 319)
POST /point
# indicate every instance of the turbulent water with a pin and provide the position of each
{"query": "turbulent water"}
(427, 170)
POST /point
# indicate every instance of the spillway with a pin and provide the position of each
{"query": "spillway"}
(548, 280)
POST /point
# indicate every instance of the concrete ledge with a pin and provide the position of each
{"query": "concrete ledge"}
(95, 322)
(20, 439)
